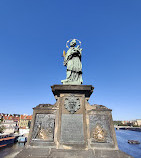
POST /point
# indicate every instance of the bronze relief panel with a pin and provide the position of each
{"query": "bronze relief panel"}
(44, 127)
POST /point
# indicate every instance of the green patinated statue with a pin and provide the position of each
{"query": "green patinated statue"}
(72, 60)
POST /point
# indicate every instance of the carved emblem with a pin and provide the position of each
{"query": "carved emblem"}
(72, 104)
(99, 134)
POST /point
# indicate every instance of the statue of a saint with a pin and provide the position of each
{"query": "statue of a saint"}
(72, 60)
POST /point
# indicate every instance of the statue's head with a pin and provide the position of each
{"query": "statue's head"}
(73, 43)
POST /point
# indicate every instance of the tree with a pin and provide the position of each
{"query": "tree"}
(29, 124)
(2, 128)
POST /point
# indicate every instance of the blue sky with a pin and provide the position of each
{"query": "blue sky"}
(32, 38)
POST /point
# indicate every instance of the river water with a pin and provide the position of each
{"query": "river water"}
(132, 149)
(122, 138)
(11, 150)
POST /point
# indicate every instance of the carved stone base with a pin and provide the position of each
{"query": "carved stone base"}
(73, 124)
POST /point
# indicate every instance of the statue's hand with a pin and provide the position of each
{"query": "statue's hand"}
(78, 46)
(65, 63)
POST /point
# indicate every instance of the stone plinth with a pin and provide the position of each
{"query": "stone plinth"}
(72, 127)
(72, 123)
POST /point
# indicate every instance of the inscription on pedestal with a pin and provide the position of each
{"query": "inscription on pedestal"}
(72, 128)
(44, 127)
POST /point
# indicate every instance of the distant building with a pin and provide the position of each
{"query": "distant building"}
(24, 124)
(25, 121)
(9, 124)
(16, 119)
(125, 122)
(137, 122)
(24, 131)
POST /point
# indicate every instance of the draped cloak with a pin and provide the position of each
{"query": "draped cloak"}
(74, 67)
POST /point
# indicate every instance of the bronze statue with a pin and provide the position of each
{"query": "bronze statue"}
(72, 60)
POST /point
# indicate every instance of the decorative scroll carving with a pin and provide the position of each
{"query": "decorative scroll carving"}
(99, 134)
(72, 104)
(44, 127)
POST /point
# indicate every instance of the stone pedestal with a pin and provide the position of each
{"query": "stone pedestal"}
(72, 126)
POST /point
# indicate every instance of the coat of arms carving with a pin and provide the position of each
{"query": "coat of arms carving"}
(72, 104)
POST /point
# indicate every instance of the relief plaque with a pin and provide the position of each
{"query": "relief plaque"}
(100, 131)
(44, 127)
(99, 134)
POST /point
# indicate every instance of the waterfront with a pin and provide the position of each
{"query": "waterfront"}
(122, 137)
(11, 150)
